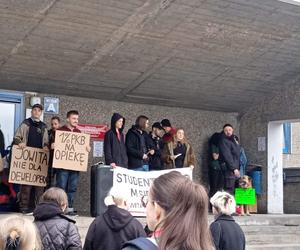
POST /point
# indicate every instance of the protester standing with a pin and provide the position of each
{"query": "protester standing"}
(114, 143)
(179, 153)
(137, 144)
(68, 179)
(169, 130)
(31, 133)
(216, 174)
(155, 136)
(229, 157)
(55, 124)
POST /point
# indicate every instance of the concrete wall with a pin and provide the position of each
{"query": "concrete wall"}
(254, 123)
(199, 125)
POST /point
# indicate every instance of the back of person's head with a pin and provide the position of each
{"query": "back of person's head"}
(18, 233)
(185, 205)
(223, 203)
(117, 197)
(56, 195)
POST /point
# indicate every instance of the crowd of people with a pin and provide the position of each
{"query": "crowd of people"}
(172, 223)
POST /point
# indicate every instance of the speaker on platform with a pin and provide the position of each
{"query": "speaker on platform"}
(101, 183)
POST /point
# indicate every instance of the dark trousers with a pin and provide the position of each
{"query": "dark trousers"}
(68, 180)
(216, 178)
(230, 180)
(29, 196)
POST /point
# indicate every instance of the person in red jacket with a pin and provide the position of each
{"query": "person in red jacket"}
(169, 130)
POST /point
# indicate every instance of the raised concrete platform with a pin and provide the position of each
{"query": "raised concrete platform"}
(272, 232)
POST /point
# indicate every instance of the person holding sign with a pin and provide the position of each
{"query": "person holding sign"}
(68, 179)
(114, 143)
(31, 133)
(137, 144)
(179, 153)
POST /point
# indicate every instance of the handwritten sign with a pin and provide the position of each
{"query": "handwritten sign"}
(138, 183)
(71, 150)
(245, 196)
(29, 166)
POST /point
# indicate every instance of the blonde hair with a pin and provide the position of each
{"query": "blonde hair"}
(224, 203)
(22, 228)
(116, 197)
(56, 195)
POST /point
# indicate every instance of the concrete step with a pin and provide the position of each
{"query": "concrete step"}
(274, 247)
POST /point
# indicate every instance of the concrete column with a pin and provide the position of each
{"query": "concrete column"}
(275, 169)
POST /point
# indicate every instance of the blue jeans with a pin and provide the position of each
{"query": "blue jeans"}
(67, 180)
(144, 168)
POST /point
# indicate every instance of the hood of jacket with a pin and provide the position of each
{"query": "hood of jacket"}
(115, 117)
(117, 218)
(47, 210)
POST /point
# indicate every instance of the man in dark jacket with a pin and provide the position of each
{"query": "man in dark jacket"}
(31, 133)
(155, 160)
(114, 227)
(114, 143)
(229, 157)
(137, 145)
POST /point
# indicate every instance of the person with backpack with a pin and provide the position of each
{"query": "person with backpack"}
(226, 233)
(58, 232)
(177, 223)
(31, 133)
(115, 226)
(114, 143)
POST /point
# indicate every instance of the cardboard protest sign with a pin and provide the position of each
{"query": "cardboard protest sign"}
(71, 150)
(29, 166)
(137, 184)
(245, 196)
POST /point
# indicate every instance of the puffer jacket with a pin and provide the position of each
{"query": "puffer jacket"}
(57, 231)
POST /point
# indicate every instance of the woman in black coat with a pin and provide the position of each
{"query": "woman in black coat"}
(114, 143)
(226, 233)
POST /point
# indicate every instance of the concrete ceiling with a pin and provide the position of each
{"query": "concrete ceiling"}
(214, 55)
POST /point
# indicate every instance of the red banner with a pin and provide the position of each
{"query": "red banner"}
(96, 131)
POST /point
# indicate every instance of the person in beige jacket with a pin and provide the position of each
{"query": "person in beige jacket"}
(178, 153)
(31, 133)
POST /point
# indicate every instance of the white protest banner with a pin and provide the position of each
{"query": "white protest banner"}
(138, 183)
(71, 150)
(29, 166)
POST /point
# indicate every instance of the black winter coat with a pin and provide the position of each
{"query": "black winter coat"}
(115, 149)
(57, 231)
(155, 161)
(229, 152)
(112, 229)
(227, 234)
(134, 147)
